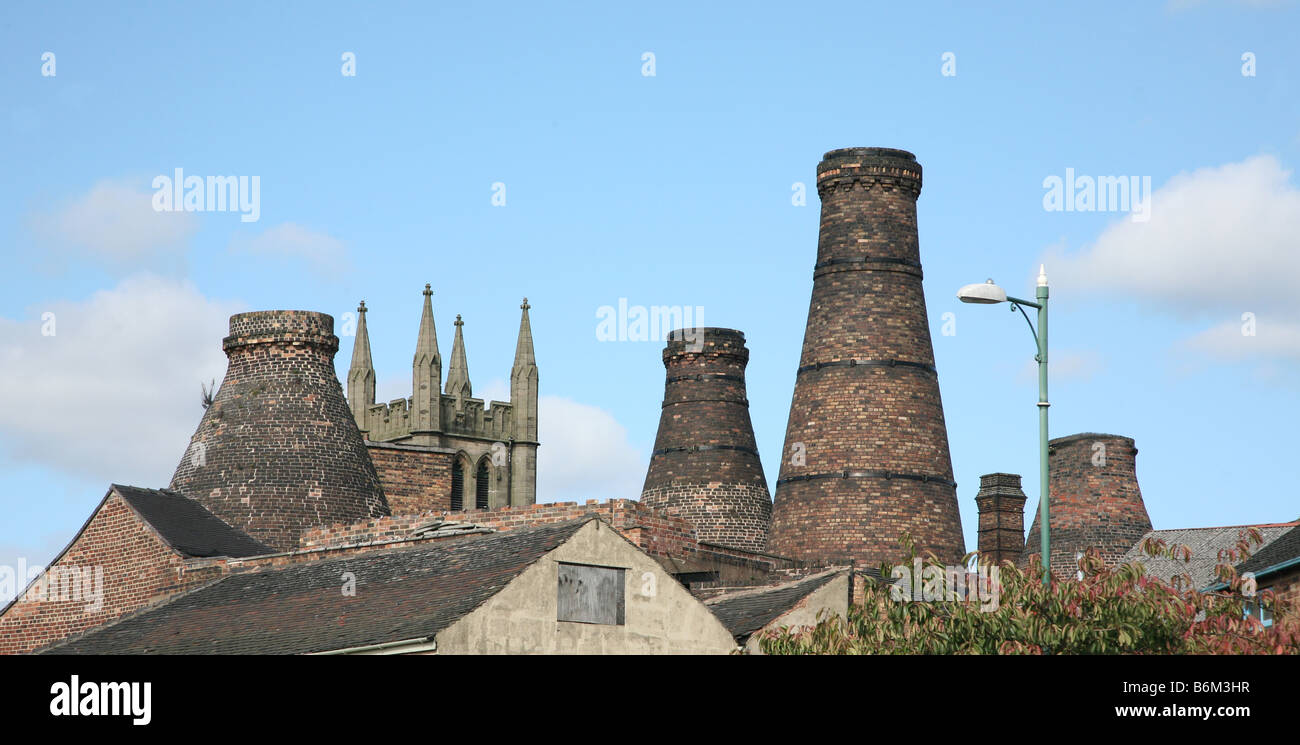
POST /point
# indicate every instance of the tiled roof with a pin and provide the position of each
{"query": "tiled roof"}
(747, 611)
(1205, 544)
(1283, 549)
(188, 526)
(401, 594)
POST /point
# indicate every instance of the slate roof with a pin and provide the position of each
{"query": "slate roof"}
(1205, 544)
(187, 526)
(745, 612)
(401, 594)
(1283, 549)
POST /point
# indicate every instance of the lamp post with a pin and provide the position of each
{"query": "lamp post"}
(988, 293)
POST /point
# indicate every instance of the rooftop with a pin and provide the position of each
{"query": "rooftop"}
(401, 594)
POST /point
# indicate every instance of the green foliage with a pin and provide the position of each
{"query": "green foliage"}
(1116, 610)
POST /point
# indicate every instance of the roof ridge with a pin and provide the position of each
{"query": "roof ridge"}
(770, 588)
(1292, 524)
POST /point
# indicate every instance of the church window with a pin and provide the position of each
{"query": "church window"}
(457, 486)
(481, 484)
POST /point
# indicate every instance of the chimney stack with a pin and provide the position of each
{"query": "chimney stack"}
(866, 449)
(705, 466)
(1001, 504)
(279, 450)
(1095, 500)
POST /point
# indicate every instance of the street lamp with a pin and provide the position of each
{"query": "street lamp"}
(989, 293)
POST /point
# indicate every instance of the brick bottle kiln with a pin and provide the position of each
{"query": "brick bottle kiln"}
(278, 449)
(866, 449)
(705, 466)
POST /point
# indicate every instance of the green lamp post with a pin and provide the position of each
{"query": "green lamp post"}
(988, 293)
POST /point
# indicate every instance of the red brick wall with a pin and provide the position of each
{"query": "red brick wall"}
(414, 480)
(655, 532)
(138, 568)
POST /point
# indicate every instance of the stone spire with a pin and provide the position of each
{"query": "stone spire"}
(361, 375)
(458, 376)
(523, 406)
(426, 372)
(524, 346)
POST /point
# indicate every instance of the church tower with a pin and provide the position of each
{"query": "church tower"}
(441, 448)
(866, 449)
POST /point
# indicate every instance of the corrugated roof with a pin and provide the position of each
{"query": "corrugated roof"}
(401, 594)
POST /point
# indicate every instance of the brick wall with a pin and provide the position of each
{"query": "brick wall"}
(659, 534)
(138, 569)
(415, 479)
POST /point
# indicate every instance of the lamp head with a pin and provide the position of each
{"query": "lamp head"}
(985, 293)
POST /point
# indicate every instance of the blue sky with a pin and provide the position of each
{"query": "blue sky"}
(671, 189)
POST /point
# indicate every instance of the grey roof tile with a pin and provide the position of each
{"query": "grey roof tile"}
(1282, 549)
(401, 594)
(188, 526)
(1205, 544)
(745, 612)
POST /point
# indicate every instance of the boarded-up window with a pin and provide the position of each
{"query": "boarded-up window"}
(588, 594)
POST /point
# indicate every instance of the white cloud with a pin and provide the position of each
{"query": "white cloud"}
(1219, 239)
(113, 395)
(322, 253)
(585, 454)
(1272, 338)
(114, 226)
(1221, 242)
